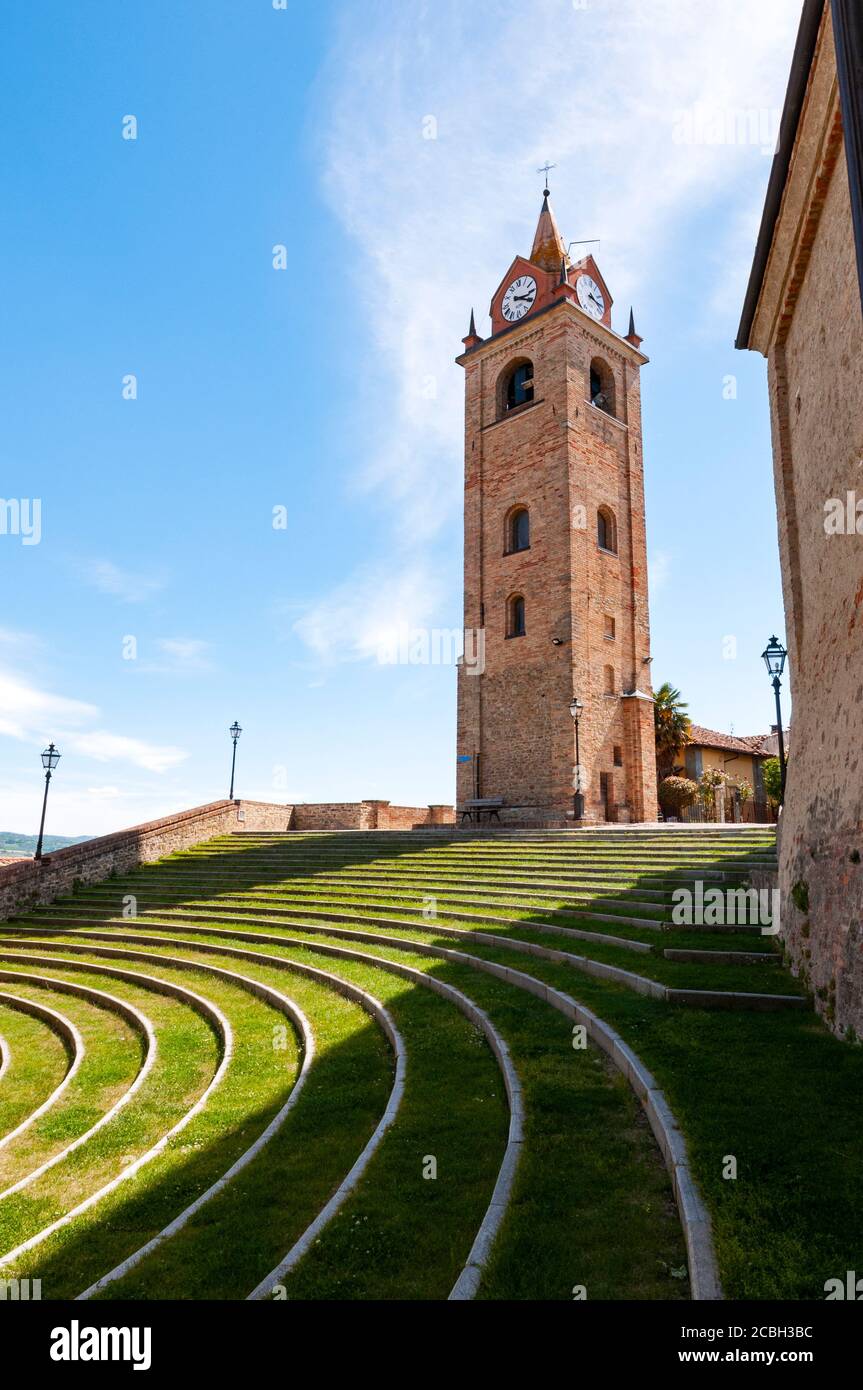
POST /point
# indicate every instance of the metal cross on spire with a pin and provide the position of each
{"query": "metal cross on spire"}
(546, 169)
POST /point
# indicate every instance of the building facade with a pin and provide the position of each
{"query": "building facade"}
(555, 568)
(803, 313)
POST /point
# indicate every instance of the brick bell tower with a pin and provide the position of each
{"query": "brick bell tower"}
(555, 566)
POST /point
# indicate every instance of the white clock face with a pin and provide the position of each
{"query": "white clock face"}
(590, 296)
(519, 298)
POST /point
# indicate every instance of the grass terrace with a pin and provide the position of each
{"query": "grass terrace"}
(385, 1065)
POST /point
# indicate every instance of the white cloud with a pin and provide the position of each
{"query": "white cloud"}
(86, 810)
(601, 91)
(28, 713)
(103, 747)
(362, 617)
(20, 641)
(189, 650)
(180, 655)
(37, 716)
(626, 99)
(108, 578)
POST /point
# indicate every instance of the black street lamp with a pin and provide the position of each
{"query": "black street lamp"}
(235, 732)
(774, 655)
(575, 709)
(50, 759)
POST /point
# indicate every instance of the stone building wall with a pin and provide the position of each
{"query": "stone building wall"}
(809, 326)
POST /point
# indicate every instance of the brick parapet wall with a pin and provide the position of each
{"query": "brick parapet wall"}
(27, 883)
(368, 815)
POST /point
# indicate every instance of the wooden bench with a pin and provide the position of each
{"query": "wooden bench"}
(491, 805)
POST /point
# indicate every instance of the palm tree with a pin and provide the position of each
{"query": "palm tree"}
(672, 725)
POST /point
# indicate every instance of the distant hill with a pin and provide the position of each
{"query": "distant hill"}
(25, 845)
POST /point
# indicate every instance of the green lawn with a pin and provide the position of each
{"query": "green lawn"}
(592, 1204)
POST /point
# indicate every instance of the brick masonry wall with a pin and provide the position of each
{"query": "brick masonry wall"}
(25, 884)
(368, 815)
(808, 324)
(554, 456)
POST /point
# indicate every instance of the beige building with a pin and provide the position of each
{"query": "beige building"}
(803, 313)
(738, 756)
(555, 562)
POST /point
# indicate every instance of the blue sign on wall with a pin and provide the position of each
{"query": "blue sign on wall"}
(464, 758)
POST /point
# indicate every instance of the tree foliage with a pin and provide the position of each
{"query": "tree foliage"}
(672, 725)
(772, 774)
(676, 793)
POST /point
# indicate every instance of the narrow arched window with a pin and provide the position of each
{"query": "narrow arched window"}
(515, 626)
(606, 530)
(518, 530)
(602, 386)
(517, 386)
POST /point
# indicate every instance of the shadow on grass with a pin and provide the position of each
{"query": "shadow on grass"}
(774, 1092)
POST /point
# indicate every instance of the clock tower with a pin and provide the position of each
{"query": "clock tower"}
(555, 592)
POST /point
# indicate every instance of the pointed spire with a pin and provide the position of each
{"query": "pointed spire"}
(473, 337)
(548, 247)
(472, 330)
(632, 336)
(563, 289)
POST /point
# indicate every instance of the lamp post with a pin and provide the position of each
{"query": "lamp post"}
(774, 655)
(235, 732)
(50, 759)
(575, 709)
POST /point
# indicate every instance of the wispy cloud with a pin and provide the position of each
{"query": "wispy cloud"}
(431, 168)
(29, 713)
(32, 715)
(622, 97)
(19, 642)
(177, 656)
(361, 618)
(103, 747)
(130, 587)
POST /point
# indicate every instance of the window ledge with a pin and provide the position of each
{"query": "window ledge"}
(511, 636)
(520, 550)
(621, 425)
(603, 550)
(512, 414)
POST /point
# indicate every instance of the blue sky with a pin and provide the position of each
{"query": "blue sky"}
(392, 151)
